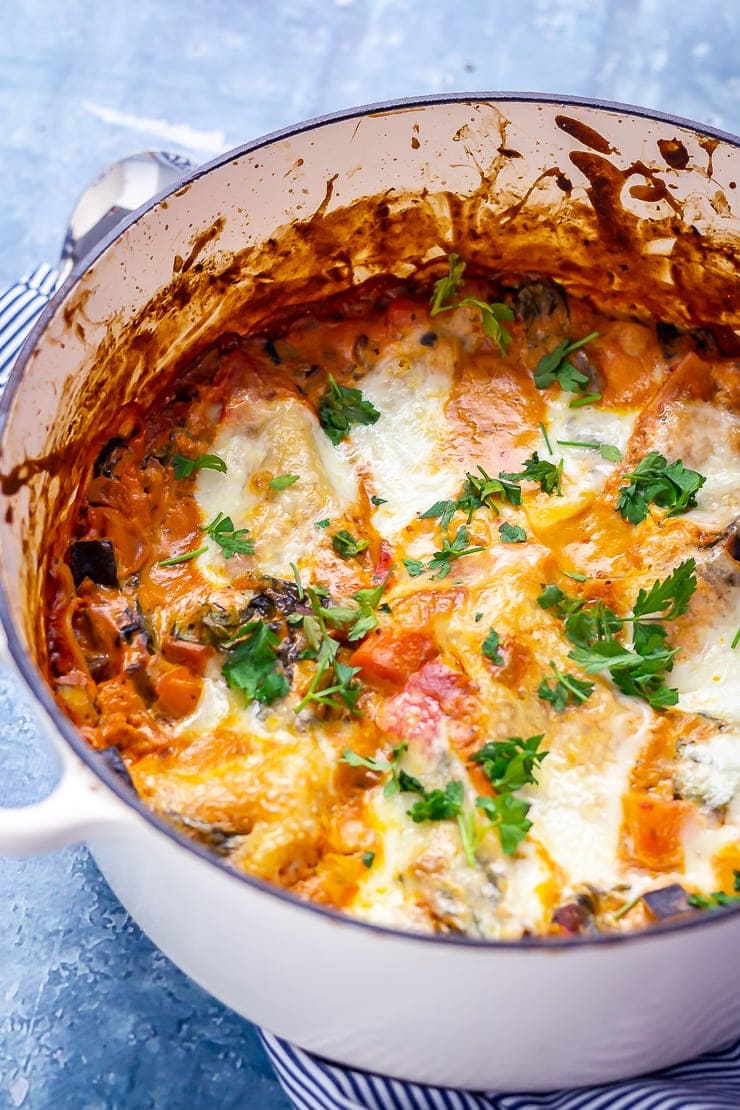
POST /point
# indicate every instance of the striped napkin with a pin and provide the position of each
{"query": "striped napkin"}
(710, 1083)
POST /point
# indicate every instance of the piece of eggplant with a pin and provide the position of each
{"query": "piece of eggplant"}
(95, 559)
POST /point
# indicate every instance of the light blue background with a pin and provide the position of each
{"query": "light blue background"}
(92, 1016)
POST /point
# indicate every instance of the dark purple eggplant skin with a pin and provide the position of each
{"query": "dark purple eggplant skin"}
(667, 901)
(95, 559)
(112, 758)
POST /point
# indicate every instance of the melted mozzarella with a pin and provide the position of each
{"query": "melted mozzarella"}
(577, 808)
(258, 442)
(403, 452)
(708, 679)
(585, 469)
(710, 771)
(705, 438)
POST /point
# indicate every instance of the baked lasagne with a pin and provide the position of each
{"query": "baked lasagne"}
(422, 603)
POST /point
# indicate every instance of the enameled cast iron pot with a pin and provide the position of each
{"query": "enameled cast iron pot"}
(640, 205)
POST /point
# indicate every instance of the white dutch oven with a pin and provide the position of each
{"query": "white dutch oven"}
(497, 178)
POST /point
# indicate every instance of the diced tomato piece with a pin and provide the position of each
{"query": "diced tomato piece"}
(389, 657)
(652, 831)
(417, 711)
(383, 563)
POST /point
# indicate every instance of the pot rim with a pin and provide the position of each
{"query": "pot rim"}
(37, 685)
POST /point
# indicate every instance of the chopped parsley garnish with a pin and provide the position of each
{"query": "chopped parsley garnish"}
(253, 664)
(177, 559)
(415, 567)
(446, 805)
(576, 575)
(547, 474)
(282, 481)
(184, 467)
(556, 367)
(585, 399)
(508, 814)
(607, 450)
(448, 285)
(368, 858)
(735, 640)
(479, 617)
(299, 584)
(231, 541)
(492, 314)
(322, 523)
(670, 597)
(511, 533)
(510, 764)
(670, 486)
(345, 544)
(441, 562)
(439, 805)
(718, 898)
(546, 438)
(342, 687)
(639, 668)
(566, 688)
(398, 782)
(476, 493)
(341, 407)
(379, 500)
(490, 648)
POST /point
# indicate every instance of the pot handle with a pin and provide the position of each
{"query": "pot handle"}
(78, 806)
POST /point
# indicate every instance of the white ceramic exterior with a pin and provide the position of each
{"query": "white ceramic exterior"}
(534, 1015)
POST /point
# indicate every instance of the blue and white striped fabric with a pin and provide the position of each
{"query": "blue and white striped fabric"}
(19, 307)
(710, 1083)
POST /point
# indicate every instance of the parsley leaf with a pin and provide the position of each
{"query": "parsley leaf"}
(441, 561)
(476, 493)
(231, 541)
(510, 764)
(369, 762)
(184, 467)
(368, 858)
(444, 805)
(448, 285)
(566, 689)
(670, 486)
(671, 596)
(490, 648)
(508, 814)
(253, 665)
(345, 544)
(607, 450)
(555, 367)
(639, 673)
(639, 669)
(343, 686)
(341, 407)
(717, 899)
(540, 470)
(585, 399)
(282, 481)
(415, 567)
(322, 523)
(379, 500)
(177, 559)
(511, 533)
(439, 805)
(492, 314)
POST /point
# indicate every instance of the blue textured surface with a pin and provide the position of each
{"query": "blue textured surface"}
(91, 1014)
